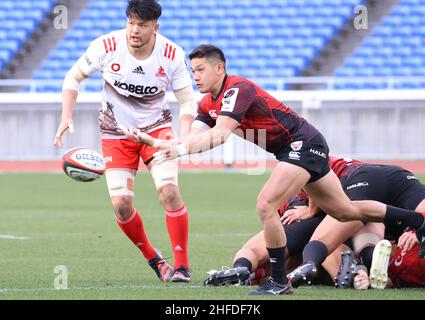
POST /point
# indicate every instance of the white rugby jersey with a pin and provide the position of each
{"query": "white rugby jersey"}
(134, 91)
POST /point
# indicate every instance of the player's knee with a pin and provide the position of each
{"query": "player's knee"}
(123, 206)
(169, 195)
(264, 208)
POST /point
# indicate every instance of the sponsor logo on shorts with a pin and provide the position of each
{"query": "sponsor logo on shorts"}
(411, 178)
(296, 145)
(293, 155)
(213, 114)
(318, 153)
(358, 185)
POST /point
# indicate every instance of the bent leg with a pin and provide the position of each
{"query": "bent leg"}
(285, 181)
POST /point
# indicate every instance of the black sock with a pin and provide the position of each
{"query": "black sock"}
(315, 251)
(277, 264)
(243, 262)
(366, 256)
(403, 217)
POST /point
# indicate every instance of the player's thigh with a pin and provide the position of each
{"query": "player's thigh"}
(285, 181)
(333, 232)
(121, 154)
(328, 194)
(146, 152)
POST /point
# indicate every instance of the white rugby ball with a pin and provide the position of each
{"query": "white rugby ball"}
(83, 164)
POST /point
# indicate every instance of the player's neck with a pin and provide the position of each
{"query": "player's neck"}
(215, 92)
(144, 52)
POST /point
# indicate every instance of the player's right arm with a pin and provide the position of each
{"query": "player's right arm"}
(70, 90)
(87, 65)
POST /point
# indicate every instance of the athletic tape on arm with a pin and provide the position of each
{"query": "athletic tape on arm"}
(73, 79)
(187, 101)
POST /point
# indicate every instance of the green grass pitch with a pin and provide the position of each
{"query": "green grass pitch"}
(62, 222)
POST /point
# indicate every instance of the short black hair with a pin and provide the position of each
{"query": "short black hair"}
(146, 10)
(208, 51)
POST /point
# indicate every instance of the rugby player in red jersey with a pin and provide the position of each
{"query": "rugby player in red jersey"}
(235, 104)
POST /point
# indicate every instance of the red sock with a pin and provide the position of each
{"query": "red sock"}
(178, 230)
(133, 228)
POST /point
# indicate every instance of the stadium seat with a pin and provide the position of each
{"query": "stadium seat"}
(281, 37)
(18, 20)
(395, 48)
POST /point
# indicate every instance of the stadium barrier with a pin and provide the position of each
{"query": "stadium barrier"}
(375, 124)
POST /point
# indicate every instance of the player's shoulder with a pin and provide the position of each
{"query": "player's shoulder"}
(169, 50)
(206, 101)
(110, 42)
(240, 82)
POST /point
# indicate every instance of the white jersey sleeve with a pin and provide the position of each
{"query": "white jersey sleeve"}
(180, 72)
(90, 61)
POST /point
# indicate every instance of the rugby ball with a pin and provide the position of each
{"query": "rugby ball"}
(83, 164)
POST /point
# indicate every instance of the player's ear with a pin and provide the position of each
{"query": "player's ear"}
(156, 26)
(221, 68)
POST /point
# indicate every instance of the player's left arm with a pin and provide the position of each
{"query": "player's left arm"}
(202, 142)
(187, 102)
(236, 102)
(181, 83)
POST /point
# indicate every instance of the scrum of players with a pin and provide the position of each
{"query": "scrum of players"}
(360, 255)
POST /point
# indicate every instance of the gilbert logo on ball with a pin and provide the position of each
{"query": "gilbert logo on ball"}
(83, 164)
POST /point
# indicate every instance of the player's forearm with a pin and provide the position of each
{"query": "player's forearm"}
(69, 98)
(207, 140)
(185, 125)
(70, 89)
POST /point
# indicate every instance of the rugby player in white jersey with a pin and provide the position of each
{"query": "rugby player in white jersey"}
(138, 64)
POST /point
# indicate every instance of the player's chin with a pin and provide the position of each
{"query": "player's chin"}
(136, 45)
(202, 89)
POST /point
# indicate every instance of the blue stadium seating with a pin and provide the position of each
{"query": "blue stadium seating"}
(18, 20)
(261, 38)
(396, 48)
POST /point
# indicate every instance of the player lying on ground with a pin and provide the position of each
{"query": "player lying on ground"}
(137, 65)
(235, 104)
(387, 184)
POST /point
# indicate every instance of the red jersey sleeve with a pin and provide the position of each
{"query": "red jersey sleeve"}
(204, 115)
(237, 100)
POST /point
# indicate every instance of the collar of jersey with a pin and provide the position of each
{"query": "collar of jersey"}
(223, 85)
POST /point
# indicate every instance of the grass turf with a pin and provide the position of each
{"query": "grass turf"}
(72, 224)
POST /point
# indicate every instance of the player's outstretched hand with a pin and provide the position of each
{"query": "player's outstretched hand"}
(170, 152)
(143, 138)
(63, 126)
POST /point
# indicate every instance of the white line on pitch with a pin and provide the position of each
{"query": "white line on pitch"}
(5, 290)
(11, 237)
